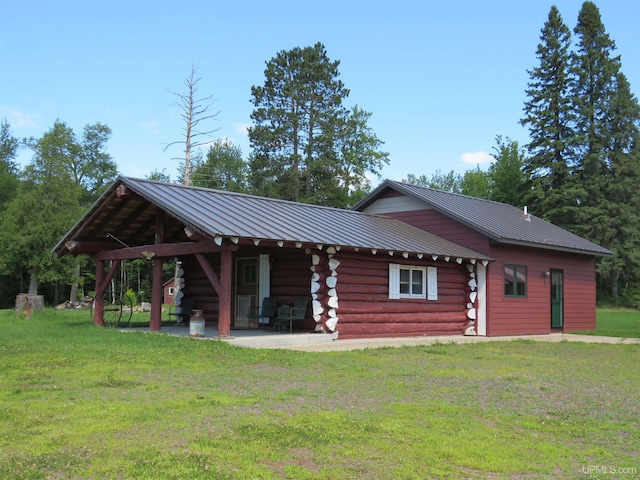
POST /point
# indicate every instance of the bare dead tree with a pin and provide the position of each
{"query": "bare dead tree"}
(193, 112)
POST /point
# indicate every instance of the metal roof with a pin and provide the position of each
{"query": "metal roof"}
(500, 222)
(226, 214)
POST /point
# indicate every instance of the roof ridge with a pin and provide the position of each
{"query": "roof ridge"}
(239, 194)
(452, 193)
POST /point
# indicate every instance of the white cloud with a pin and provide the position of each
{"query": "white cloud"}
(242, 128)
(19, 119)
(477, 158)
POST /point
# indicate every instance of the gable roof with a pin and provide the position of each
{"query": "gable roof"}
(500, 222)
(232, 215)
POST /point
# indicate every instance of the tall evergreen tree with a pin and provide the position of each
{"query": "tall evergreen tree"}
(623, 201)
(304, 140)
(548, 115)
(594, 90)
(594, 70)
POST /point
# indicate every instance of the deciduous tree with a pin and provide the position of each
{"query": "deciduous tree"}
(223, 168)
(507, 176)
(9, 147)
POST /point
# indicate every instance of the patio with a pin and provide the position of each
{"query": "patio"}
(260, 338)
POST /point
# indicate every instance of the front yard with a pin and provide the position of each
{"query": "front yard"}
(82, 402)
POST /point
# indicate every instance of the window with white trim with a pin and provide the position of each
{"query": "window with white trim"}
(408, 281)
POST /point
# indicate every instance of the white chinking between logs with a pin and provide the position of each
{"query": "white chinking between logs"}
(473, 295)
(324, 278)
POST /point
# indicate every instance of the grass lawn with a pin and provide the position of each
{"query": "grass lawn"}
(616, 322)
(81, 402)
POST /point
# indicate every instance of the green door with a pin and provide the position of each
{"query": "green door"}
(557, 299)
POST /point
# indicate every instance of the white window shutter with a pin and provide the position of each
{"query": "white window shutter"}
(432, 283)
(264, 278)
(394, 280)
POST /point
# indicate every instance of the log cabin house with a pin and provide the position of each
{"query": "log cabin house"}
(406, 261)
(541, 278)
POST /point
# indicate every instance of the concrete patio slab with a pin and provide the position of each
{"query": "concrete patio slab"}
(322, 342)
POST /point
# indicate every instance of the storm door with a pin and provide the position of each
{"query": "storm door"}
(246, 290)
(557, 299)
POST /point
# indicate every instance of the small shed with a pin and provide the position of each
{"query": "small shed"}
(168, 289)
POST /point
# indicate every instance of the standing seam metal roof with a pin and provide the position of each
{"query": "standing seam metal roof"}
(228, 214)
(501, 222)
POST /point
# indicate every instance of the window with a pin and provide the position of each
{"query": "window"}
(407, 281)
(170, 292)
(515, 280)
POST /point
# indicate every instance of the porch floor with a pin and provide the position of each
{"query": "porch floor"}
(260, 338)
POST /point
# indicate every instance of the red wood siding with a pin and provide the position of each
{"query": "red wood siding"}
(366, 311)
(168, 288)
(435, 222)
(532, 315)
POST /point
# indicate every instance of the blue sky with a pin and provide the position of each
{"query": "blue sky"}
(442, 78)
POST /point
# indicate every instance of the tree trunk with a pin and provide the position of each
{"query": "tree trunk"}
(614, 284)
(33, 282)
(73, 296)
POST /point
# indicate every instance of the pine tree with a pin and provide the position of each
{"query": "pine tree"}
(623, 202)
(307, 146)
(594, 71)
(548, 115)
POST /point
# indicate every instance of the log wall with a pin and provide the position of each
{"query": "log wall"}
(290, 277)
(365, 309)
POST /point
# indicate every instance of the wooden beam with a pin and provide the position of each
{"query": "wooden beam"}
(98, 301)
(224, 294)
(156, 283)
(209, 272)
(102, 281)
(162, 250)
(77, 246)
(102, 286)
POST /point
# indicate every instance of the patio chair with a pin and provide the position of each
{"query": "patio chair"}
(288, 315)
(267, 310)
(184, 312)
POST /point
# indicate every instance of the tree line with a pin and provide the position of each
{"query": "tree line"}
(579, 170)
(581, 167)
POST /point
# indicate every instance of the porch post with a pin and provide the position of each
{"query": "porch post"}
(224, 295)
(156, 296)
(156, 285)
(482, 300)
(98, 306)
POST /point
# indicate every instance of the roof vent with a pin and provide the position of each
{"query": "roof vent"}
(525, 214)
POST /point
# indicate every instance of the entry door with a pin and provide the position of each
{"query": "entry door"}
(246, 290)
(557, 299)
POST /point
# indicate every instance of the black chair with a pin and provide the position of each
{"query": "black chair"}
(267, 310)
(184, 312)
(288, 315)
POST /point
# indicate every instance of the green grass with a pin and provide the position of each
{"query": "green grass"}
(616, 322)
(77, 401)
